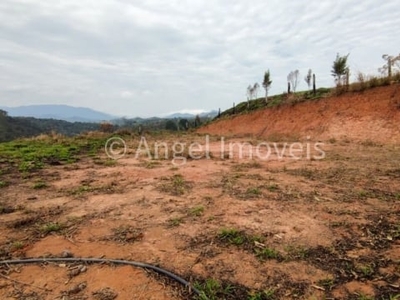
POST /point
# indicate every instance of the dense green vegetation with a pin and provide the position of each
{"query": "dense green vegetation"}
(27, 155)
(18, 127)
(24, 127)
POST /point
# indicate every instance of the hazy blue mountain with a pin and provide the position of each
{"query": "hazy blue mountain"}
(209, 114)
(59, 112)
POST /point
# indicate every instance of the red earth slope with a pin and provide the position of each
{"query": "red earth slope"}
(370, 115)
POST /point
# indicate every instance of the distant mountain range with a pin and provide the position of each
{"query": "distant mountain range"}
(59, 112)
(208, 114)
(82, 114)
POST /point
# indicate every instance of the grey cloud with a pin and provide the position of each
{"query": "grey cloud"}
(153, 57)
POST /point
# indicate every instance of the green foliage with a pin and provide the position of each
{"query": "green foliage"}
(51, 227)
(3, 184)
(31, 155)
(267, 80)
(253, 192)
(264, 295)
(171, 125)
(267, 253)
(197, 211)
(175, 221)
(232, 236)
(175, 185)
(40, 185)
(183, 124)
(18, 127)
(340, 68)
(308, 78)
(212, 289)
(267, 83)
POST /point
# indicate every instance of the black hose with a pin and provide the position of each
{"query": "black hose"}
(103, 260)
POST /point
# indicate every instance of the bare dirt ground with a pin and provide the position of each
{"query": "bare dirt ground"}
(238, 228)
(373, 114)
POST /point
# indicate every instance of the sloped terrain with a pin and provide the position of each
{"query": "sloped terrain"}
(370, 115)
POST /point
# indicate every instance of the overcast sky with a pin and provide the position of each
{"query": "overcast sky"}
(153, 57)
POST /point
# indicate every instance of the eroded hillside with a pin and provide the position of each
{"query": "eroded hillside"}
(370, 115)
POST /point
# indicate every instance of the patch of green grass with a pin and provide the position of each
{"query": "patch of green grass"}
(263, 295)
(175, 185)
(29, 166)
(3, 184)
(152, 164)
(305, 172)
(232, 236)
(364, 297)
(362, 194)
(252, 192)
(366, 270)
(273, 187)
(327, 283)
(212, 289)
(197, 211)
(51, 227)
(40, 185)
(33, 154)
(105, 162)
(296, 252)
(173, 222)
(81, 190)
(267, 253)
(17, 245)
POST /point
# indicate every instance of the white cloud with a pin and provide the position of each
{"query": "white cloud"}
(155, 57)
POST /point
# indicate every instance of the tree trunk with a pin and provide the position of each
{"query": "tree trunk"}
(266, 96)
(313, 85)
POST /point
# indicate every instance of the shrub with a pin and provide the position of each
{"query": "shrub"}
(373, 81)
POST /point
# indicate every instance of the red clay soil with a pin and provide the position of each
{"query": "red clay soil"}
(370, 115)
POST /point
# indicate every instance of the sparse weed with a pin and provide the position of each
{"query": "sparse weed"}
(273, 187)
(17, 245)
(125, 234)
(175, 185)
(212, 289)
(232, 236)
(5, 209)
(296, 252)
(81, 190)
(327, 283)
(40, 185)
(197, 211)
(263, 295)
(366, 270)
(364, 297)
(51, 227)
(173, 222)
(267, 253)
(252, 192)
